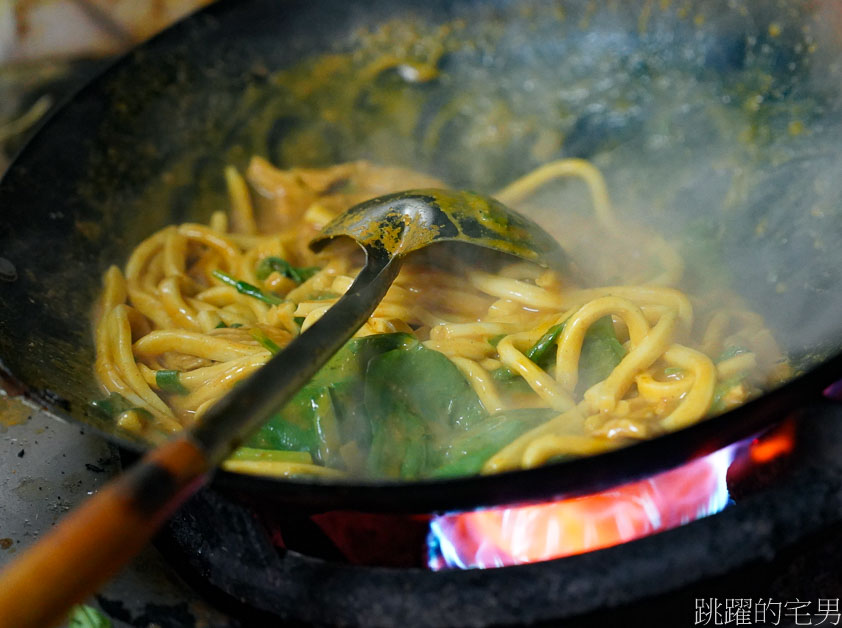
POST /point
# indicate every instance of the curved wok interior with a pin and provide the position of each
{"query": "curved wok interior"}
(715, 124)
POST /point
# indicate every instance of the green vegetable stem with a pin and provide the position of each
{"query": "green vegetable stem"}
(538, 353)
(246, 288)
(268, 265)
(265, 341)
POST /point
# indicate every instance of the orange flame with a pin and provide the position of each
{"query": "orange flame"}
(777, 443)
(525, 534)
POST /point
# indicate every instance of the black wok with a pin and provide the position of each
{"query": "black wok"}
(715, 122)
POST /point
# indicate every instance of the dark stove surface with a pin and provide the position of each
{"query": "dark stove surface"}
(47, 468)
(780, 543)
(790, 550)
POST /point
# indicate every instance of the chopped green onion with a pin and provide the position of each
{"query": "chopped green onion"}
(116, 404)
(268, 265)
(236, 325)
(271, 455)
(537, 353)
(168, 381)
(113, 405)
(221, 325)
(265, 341)
(246, 288)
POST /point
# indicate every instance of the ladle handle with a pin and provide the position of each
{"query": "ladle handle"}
(89, 546)
(96, 540)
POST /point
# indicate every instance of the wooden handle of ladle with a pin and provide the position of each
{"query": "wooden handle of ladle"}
(92, 543)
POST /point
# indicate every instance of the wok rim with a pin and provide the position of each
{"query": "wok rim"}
(551, 481)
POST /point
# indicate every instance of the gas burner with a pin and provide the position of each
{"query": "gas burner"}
(368, 569)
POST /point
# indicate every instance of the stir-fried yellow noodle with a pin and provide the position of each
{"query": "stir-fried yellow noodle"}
(199, 308)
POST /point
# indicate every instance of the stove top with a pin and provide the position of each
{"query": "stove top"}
(776, 546)
(46, 468)
(775, 551)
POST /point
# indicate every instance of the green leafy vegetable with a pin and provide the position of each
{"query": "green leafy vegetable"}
(468, 452)
(221, 325)
(169, 381)
(601, 353)
(246, 288)
(415, 399)
(344, 377)
(409, 410)
(331, 402)
(84, 616)
(326, 428)
(399, 446)
(268, 265)
(436, 389)
(348, 401)
(293, 428)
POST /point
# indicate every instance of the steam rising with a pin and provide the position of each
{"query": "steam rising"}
(716, 124)
(717, 127)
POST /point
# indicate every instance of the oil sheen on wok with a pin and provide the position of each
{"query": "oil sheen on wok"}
(462, 369)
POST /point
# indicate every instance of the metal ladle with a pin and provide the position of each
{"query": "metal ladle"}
(90, 545)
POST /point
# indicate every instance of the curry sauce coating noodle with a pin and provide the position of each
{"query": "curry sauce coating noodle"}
(458, 371)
